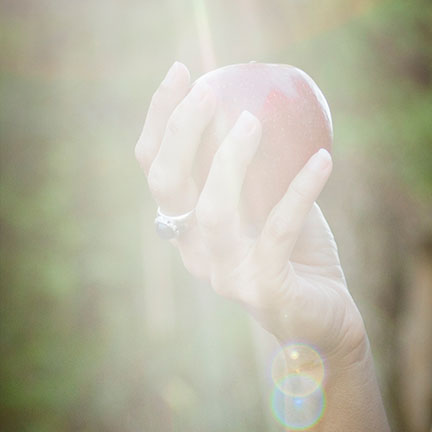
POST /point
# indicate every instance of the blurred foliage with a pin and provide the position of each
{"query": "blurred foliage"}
(78, 351)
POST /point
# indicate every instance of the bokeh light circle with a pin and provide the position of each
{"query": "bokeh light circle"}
(297, 370)
(298, 413)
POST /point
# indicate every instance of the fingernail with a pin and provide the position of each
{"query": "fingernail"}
(246, 124)
(199, 92)
(171, 75)
(320, 160)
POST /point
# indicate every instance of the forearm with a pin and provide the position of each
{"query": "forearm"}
(353, 400)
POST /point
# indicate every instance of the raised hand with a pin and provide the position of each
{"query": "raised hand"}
(288, 275)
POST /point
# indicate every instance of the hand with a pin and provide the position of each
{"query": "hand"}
(289, 275)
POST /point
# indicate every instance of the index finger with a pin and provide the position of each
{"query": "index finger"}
(171, 91)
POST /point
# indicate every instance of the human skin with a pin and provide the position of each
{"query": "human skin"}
(288, 275)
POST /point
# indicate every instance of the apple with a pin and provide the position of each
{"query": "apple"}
(296, 122)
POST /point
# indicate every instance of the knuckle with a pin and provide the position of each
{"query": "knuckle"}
(158, 100)
(157, 182)
(208, 216)
(233, 153)
(164, 183)
(224, 156)
(249, 298)
(195, 268)
(142, 155)
(280, 227)
(139, 153)
(241, 160)
(220, 286)
(300, 191)
(174, 125)
(205, 215)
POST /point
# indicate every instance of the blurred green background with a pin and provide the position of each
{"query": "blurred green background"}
(101, 327)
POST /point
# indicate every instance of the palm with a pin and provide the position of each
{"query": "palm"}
(309, 293)
(315, 253)
(322, 311)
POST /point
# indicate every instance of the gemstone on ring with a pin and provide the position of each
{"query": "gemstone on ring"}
(164, 230)
(169, 227)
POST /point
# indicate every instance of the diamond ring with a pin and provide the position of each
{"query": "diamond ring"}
(169, 227)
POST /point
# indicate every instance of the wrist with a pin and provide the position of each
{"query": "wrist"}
(348, 385)
(353, 349)
(342, 343)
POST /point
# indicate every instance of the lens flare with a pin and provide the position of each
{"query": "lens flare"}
(298, 413)
(297, 385)
(297, 370)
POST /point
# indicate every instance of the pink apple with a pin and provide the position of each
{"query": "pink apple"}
(296, 123)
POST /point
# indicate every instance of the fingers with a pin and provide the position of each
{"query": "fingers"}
(285, 222)
(216, 210)
(171, 91)
(170, 178)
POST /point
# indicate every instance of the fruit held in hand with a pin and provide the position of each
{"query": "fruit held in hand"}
(296, 122)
